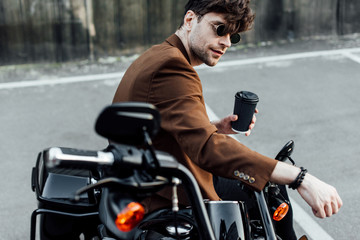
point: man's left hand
(224, 125)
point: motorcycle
(98, 194)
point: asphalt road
(311, 98)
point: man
(164, 76)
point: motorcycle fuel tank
(227, 219)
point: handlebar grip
(70, 157)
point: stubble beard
(204, 56)
(202, 53)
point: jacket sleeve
(177, 92)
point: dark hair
(238, 14)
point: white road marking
(65, 80)
(352, 56)
(347, 52)
(307, 223)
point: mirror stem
(153, 163)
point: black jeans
(229, 189)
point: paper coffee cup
(244, 108)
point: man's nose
(225, 40)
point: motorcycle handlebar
(70, 157)
(124, 155)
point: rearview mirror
(286, 151)
(126, 122)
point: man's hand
(322, 198)
(224, 125)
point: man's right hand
(322, 197)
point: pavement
(308, 92)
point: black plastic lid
(247, 96)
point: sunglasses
(220, 31)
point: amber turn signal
(281, 211)
(130, 216)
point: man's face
(204, 43)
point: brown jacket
(164, 77)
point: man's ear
(189, 18)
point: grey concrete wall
(65, 30)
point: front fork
(265, 216)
